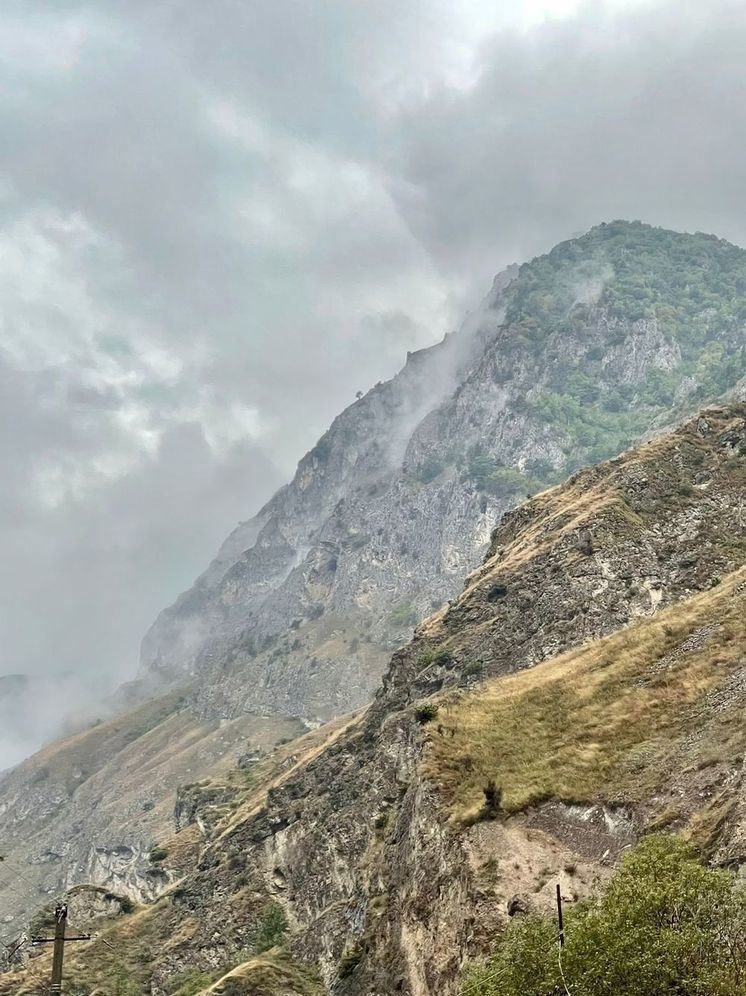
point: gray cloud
(632, 113)
(219, 221)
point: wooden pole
(60, 915)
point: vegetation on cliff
(692, 286)
(665, 924)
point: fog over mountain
(220, 221)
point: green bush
(122, 982)
(425, 713)
(694, 286)
(190, 982)
(158, 854)
(271, 929)
(492, 477)
(126, 905)
(666, 926)
(435, 655)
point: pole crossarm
(51, 940)
(59, 940)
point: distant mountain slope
(593, 669)
(89, 808)
(573, 357)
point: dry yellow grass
(126, 947)
(274, 972)
(564, 728)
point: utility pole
(59, 940)
(60, 916)
(560, 918)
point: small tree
(122, 981)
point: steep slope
(592, 668)
(91, 807)
(573, 356)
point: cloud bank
(219, 221)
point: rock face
(572, 357)
(373, 839)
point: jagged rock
(402, 492)
(585, 542)
(407, 895)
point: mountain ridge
(415, 517)
(371, 537)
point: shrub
(158, 854)
(426, 657)
(473, 668)
(122, 981)
(666, 924)
(425, 713)
(493, 796)
(442, 656)
(190, 982)
(271, 928)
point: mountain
(572, 358)
(584, 688)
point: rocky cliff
(586, 686)
(571, 358)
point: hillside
(592, 669)
(89, 808)
(572, 357)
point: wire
(34, 885)
(562, 971)
(481, 982)
(19, 945)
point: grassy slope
(609, 719)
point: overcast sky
(221, 219)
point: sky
(219, 221)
